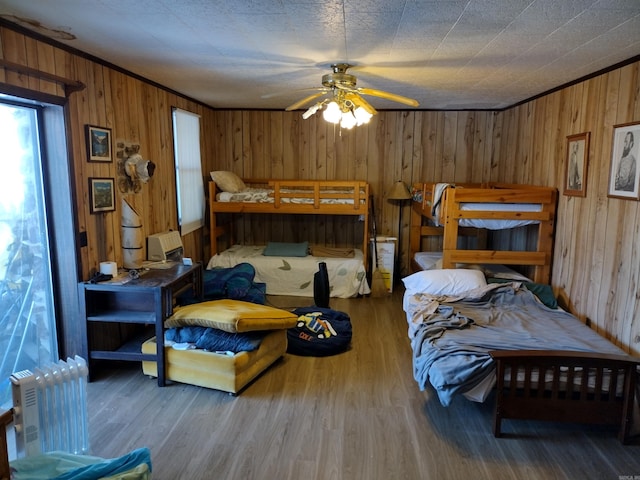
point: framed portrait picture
(623, 172)
(576, 166)
(98, 144)
(102, 196)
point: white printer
(165, 246)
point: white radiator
(50, 408)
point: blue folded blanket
(215, 340)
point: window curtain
(189, 185)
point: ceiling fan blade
(358, 101)
(288, 92)
(304, 101)
(389, 96)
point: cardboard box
(386, 258)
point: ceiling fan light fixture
(348, 120)
(362, 116)
(332, 113)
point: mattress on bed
(294, 275)
(220, 371)
(265, 195)
(487, 223)
(451, 337)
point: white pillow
(444, 282)
(228, 181)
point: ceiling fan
(344, 102)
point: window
(189, 184)
(27, 317)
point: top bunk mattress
(294, 275)
(265, 195)
(486, 223)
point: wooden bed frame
(6, 418)
(423, 223)
(565, 395)
(319, 191)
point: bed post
(542, 273)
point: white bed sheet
(487, 223)
(294, 275)
(265, 195)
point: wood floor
(358, 415)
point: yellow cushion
(232, 316)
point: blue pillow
(278, 249)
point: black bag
(320, 332)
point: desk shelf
(147, 300)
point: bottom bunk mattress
(294, 275)
(451, 335)
(222, 371)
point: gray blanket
(451, 340)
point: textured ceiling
(447, 54)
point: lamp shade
(399, 191)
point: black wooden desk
(147, 300)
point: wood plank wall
(136, 112)
(596, 265)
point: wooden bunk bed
(294, 197)
(443, 209)
(574, 375)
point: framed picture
(576, 167)
(102, 197)
(98, 144)
(623, 173)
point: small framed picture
(623, 172)
(576, 167)
(98, 144)
(102, 197)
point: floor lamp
(399, 193)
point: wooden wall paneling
(31, 57)
(591, 113)
(46, 62)
(582, 115)
(497, 132)
(63, 67)
(403, 208)
(566, 205)
(523, 164)
(547, 135)
(15, 51)
(625, 258)
(611, 214)
(257, 224)
(392, 156)
(449, 134)
(538, 156)
(627, 276)
(478, 144)
(462, 145)
(601, 147)
(507, 145)
(77, 156)
(151, 149)
(630, 331)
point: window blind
(189, 185)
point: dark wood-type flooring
(357, 415)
